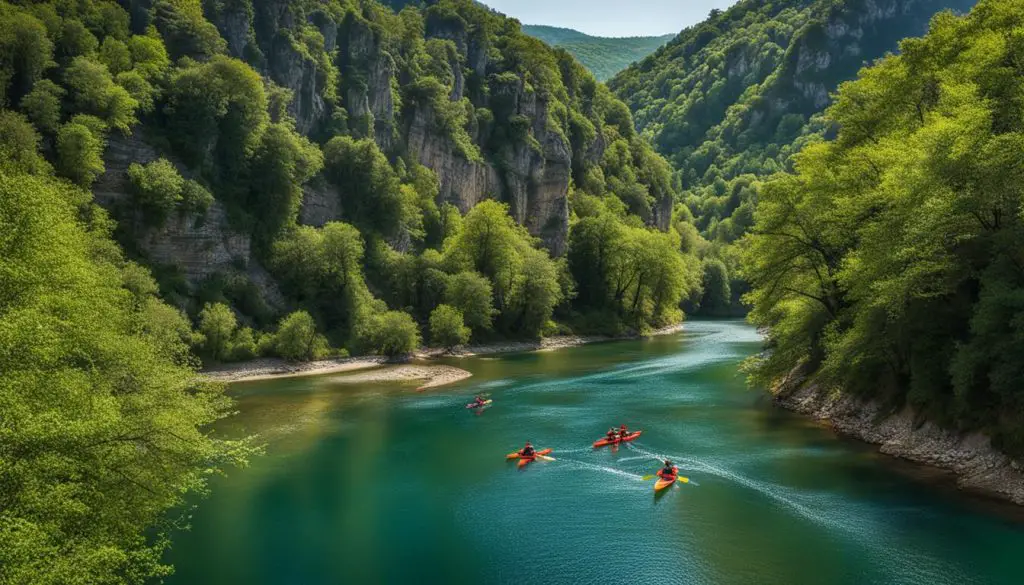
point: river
(375, 483)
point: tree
(282, 162)
(717, 296)
(79, 152)
(371, 195)
(94, 92)
(470, 293)
(393, 334)
(297, 338)
(42, 105)
(19, 145)
(105, 447)
(447, 327)
(157, 187)
(217, 324)
(25, 52)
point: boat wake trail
(760, 487)
(577, 464)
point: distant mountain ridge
(603, 56)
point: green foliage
(282, 162)
(603, 56)
(889, 261)
(392, 333)
(42, 105)
(184, 29)
(105, 431)
(370, 190)
(717, 295)
(524, 280)
(738, 94)
(447, 327)
(93, 92)
(80, 150)
(217, 325)
(322, 268)
(159, 189)
(297, 338)
(19, 146)
(470, 293)
(634, 273)
(25, 52)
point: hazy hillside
(603, 56)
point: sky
(611, 18)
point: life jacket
(528, 452)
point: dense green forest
(285, 178)
(889, 261)
(730, 100)
(603, 56)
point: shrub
(447, 327)
(298, 340)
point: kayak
(665, 481)
(524, 461)
(627, 438)
(480, 405)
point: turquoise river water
(375, 483)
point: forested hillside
(603, 56)
(731, 99)
(889, 262)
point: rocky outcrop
(463, 182)
(978, 466)
(198, 246)
(367, 72)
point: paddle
(546, 458)
(679, 479)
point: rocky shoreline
(431, 375)
(977, 465)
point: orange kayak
(627, 438)
(524, 461)
(665, 480)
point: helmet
(667, 462)
(529, 444)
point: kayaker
(623, 431)
(528, 450)
(479, 400)
(612, 436)
(669, 470)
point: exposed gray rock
(199, 246)
(979, 467)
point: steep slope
(887, 267)
(603, 56)
(738, 93)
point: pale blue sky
(611, 18)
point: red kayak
(616, 441)
(524, 461)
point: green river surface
(376, 483)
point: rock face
(199, 246)
(978, 466)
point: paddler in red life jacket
(611, 435)
(479, 400)
(668, 471)
(527, 451)
(623, 432)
